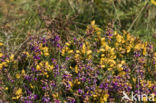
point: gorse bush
(95, 67)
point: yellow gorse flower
(17, 76)
(153, 2)
(77, 81)
(18, 92)
(1, 54)
(89, 52)
(93, 22)
(119, 67)
(104, 98)
(6, 88)
(23, 72)
(1, 66)
(70, 83)
(67, 44)
(38, 67)
(76, 69)
(45, 50)
(119, 38)
(11, 57)
(128, 49)
(83, 48)
(55, 96)
(31, 86)
(1, 44)
(70, 51)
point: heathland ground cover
(76, 51)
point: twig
(116, 13)
(137, 17)
(16, 52)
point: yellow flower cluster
(1, 55)
(67, 49)
(86, 50)
(44, 50)
(93, 28)
(4, 64)
(141, 46)
(104, 98)
(77, 55)
(44, 65)
(7, 60)
(101, 95)
(27, 54)
(123, 43)
(18, 94)
(11, 58)
(107, 54)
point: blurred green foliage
(71, 16)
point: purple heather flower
(43, 40)
(126, 70)
(57, 38)
(28, 78)
(79, 74)
(75, 38)
(57, 101)
(12, 81)
(46, 99)
(80, 91)
(53, 61)
(28, 102)
(94, 81)
(53, 84)
(137, 54)
(110, 34)
(29, 97)
(44, 87)
(150, 46)
(67, 58)
(57, 66)
(71, 100)
(37, 57)
(101, 86)
(154, 62)
(92, 88)
(58, 45)
(2, 60)
(56, 71)
(32, 48)
(29, 92)
(35, 79)
(35, 96)
(81, 44)
(33, 69)
(83, 79)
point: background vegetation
(20, 18)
